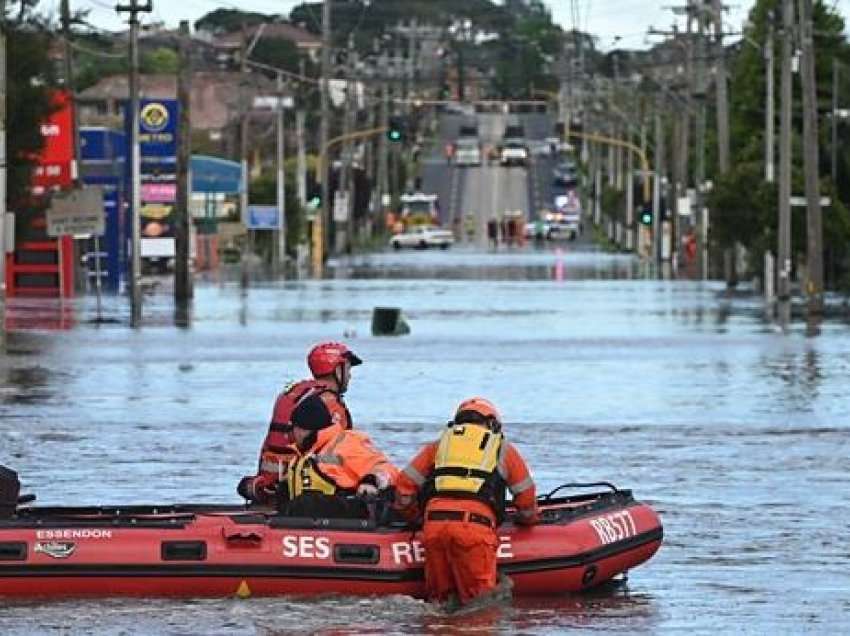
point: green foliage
(278, 52)
(28, 104)
(161, 60)
(93, 68)
(229, 20)
(743, 207)
(613, 203)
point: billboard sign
(263, 217)
(53, 167)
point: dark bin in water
(10, 488)
(388, 321)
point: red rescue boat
(214, 551)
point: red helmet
(325, 357)
(477, 406)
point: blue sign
(215, 175)
(262, 217)
(158, 120)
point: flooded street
(736, 431)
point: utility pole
(783, 252)
(2, 163)
(770, 115)
(68, 55)
(324, 135)
(344, 235)
(383, 150)
(281, 177)
(699, 146)
(302, 158)
(833, 151)
(814, 225)
(135, 160)
(182, 275)
(721, 90)
(244, 124)
(659, 177)
(302, 153)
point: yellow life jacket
(304, 476)
(466, 462)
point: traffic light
(646, 215)
(395, 131)
(314, 193)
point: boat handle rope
(590, 484)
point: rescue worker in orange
(462, 479)
(330, 363)
(332, 464)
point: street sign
(263, 217)
(341, 206)
(800, 202)
(271, 102)
(684, 206)
(76, 212)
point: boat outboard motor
(10, 489)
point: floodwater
(736, 431)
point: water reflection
(43, 314)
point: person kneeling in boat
(336, 469)
(462, 479)
(330, 363)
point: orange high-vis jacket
(346, 457)
(511, 467)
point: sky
(607, 19)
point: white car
(514, 153)
(422, 237)
(467, 153)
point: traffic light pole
(610, 141)
(318, 254)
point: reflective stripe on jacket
(510, 466)
(337, 464)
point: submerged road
(737, 433)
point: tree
(29, 82)
(230, 20)
(161, 60)
(743, 205)
(277, 52)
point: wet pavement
(737, 431)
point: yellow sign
(155, 211)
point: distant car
(565, 174)
(458, 108)
(422, 237)
(467, 152)
(514, 153)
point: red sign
(53, 168)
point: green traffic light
(646, 218)
(395, 135)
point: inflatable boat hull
(217, 551)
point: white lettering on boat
(306, 547)
(506, 548)
(76, 533)
(412, 552)
(614, 527)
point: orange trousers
(460, 556)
